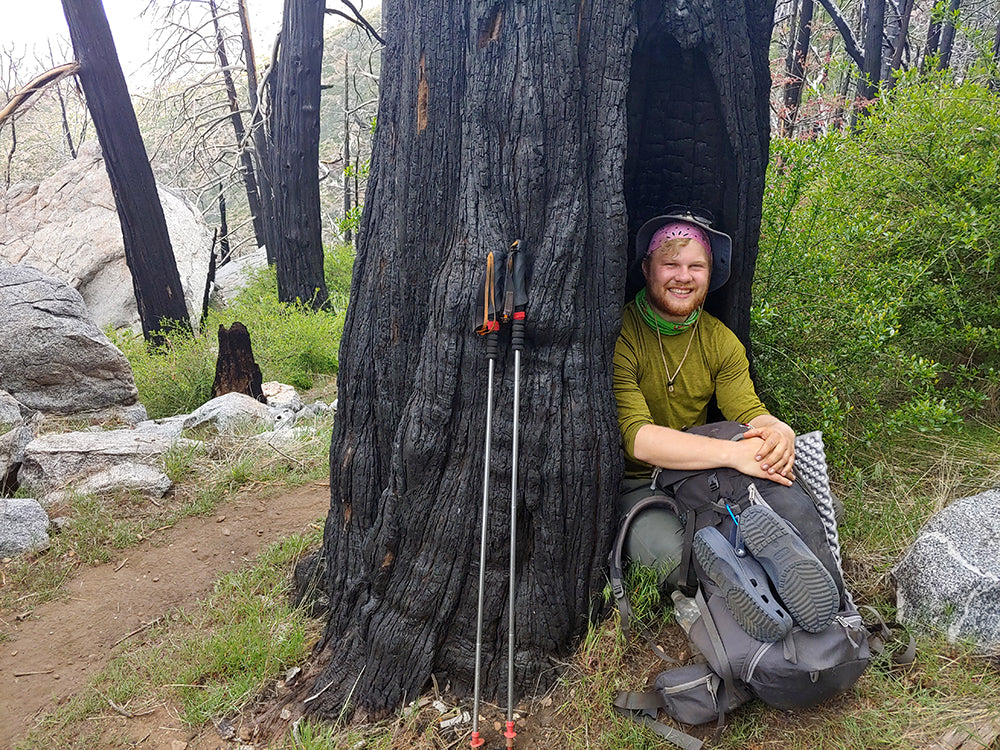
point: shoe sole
(744, 587)
(803, 584)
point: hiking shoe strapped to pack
(744, 586)
(799, 578)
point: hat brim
(722, 245)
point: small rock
(178, 745)
(226, 532)
(285, 714)
(225, 729)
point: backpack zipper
(755, 660)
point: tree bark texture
(795, 70)
(246, 161)
(901, 43)
(236, 370)
(295, 157)
(500, 121)
(948, 35)
(159, 295)
(868, 81)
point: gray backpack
(798, 671)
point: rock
(167, 427)
(949, 579)
(230, 412)
(68, 227)
(315, 409)
(282, 395)
(12, 445)
(232, 277)
(128, 476)
(23, 525)
(52, 356)
(11, 411)
(53, 462)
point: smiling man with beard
(671, 358)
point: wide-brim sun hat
(722, 244)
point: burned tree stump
(235, 369)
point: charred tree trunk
(870, 78)
(246, 161)
(236, 371)
(933, 41)
(795, 70)
(948, 35)
(295, 154)
(158, 292)
(500, 121)
(897, 52)
(258, 138)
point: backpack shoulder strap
(642, 707)
(615, 558)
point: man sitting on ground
(671, 358)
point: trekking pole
(488, 329)
(515, 302)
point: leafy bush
(877, 278)
(292, 343)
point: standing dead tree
(158, 292)
(293, 154)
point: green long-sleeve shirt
(716, 365)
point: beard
(673, 308)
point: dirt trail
(55, 652)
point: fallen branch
(122, 710)
(29, 674)
(144, 626)
(51, 76)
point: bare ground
(62, 644)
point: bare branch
(51, 76)
(358, 19)
(850, 43)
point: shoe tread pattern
(803, 584)
(756, 621)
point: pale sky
(28, 24)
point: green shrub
(877, 278)
(292, 343)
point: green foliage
(350, 221)
(877, 277)
(292, 343)
(172, 378)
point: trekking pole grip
(517, 295)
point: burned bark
(948, 35)
(795, 67)
(294, 155)
(870, 78)
(566, 126)
(235, 116)
(159, 295)
(236, 371)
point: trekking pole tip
(510, 734)
(477, 741)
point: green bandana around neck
(654, 321)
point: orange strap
(489, 300)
